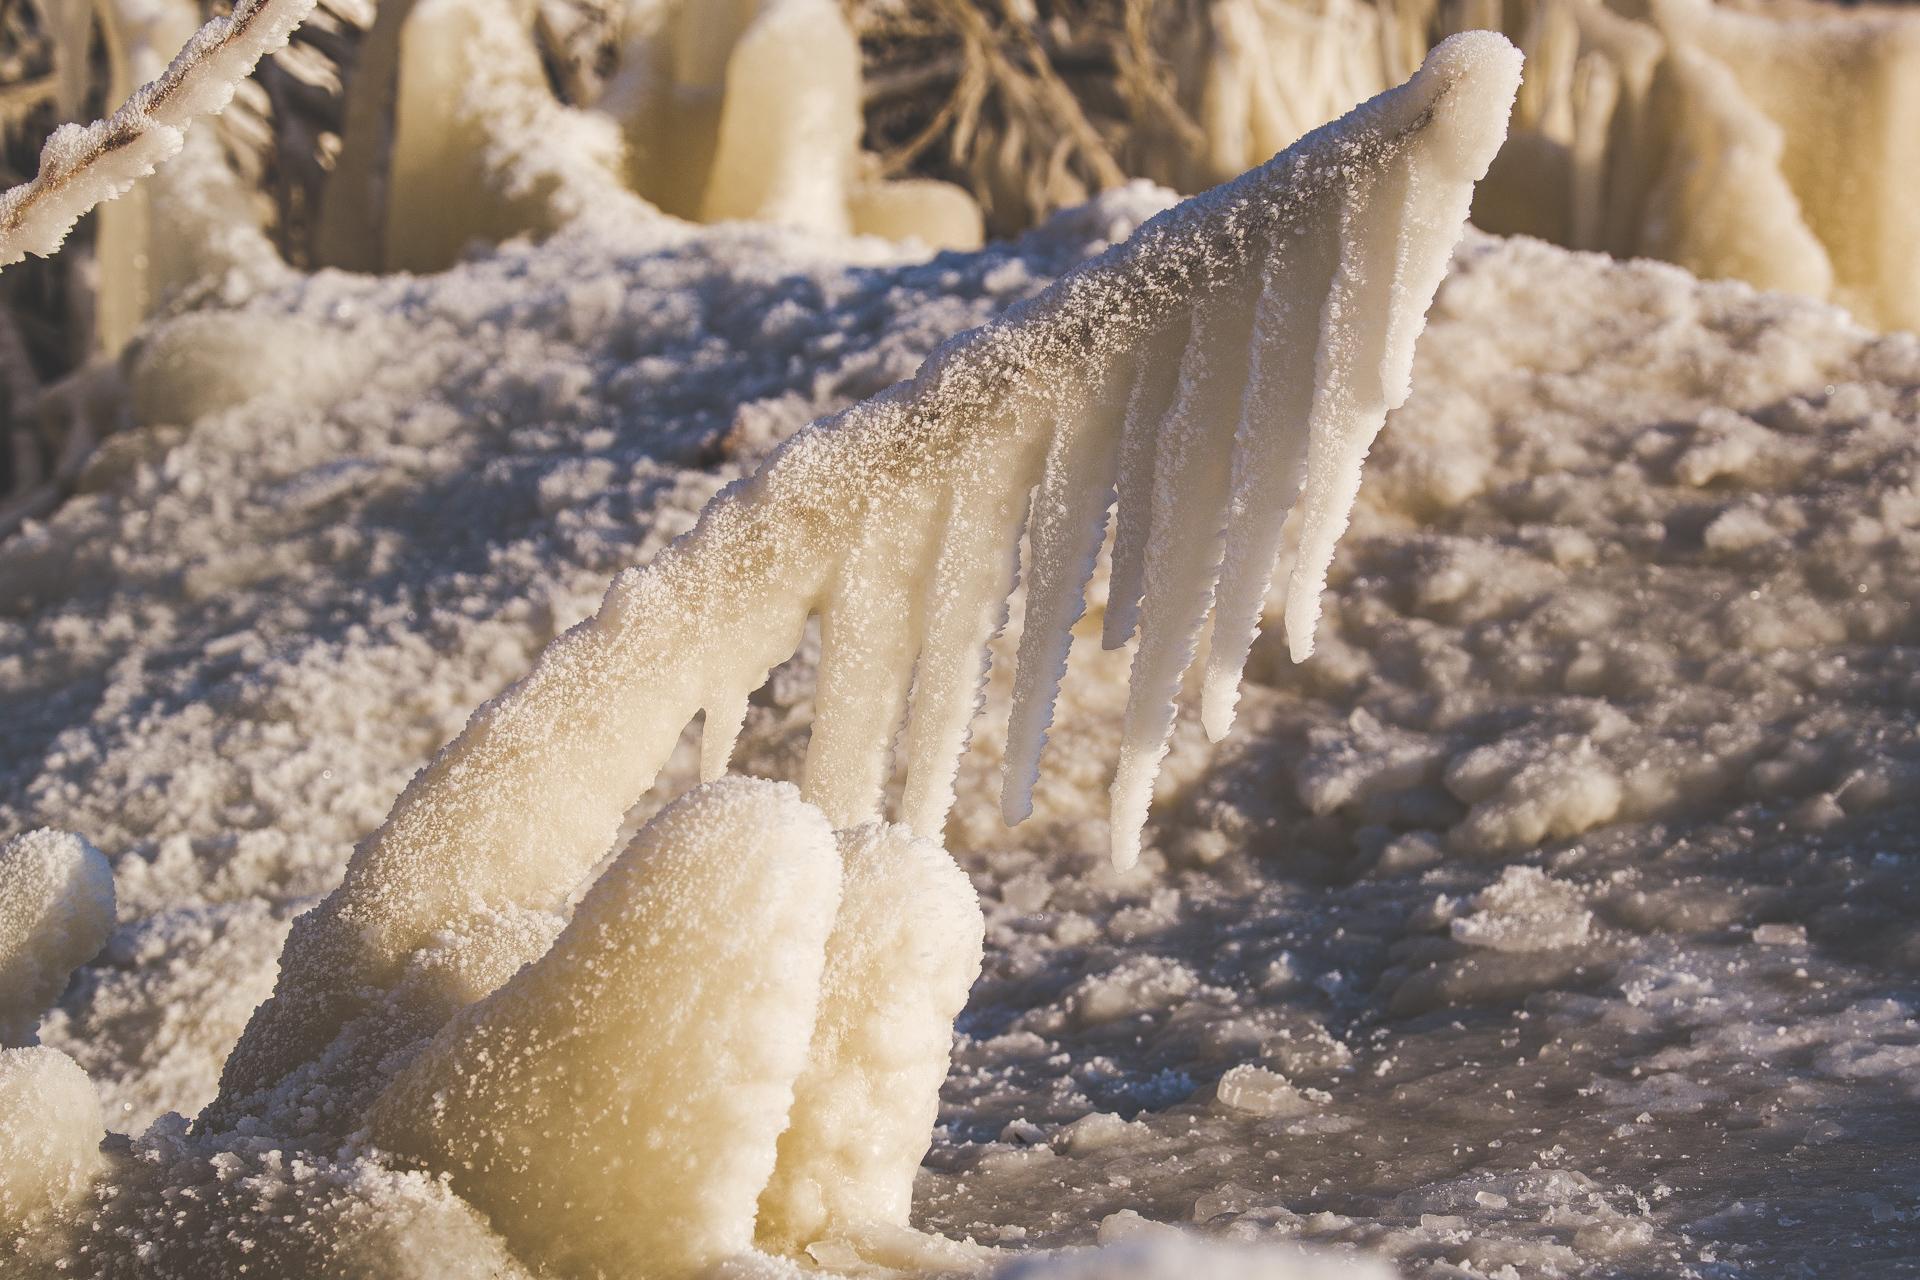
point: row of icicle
(1230, 362)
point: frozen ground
(1560, 914)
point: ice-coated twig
(85, 165)
(1238, 350)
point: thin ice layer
(529, 797)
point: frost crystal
(84, 165)
(1239, 351)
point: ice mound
(56, 909)
(614, 1108)
(50, 1131)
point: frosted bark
(614, 1108)
(83, 165)
(940, 470)
(56, 909)
(904, 953)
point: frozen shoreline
(222, 661)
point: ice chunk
(903, 954)
(56, 909)
(50, 1132)
(908, 509)
(614, 1108)
(752, 109)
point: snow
(1574, 869)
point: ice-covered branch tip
(85, 165)
(1231, 361)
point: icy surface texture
(50, 1131)
(614, 1108)
(56, 909)
(83, 165)
(897, 523)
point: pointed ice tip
(1126, 850)
(1217, 701)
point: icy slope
(1625, 602)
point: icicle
(1192, 466)
(1155, 384)
(1349, 395)
(965, 606)
(719, 731)
(1063, 536)
(1270, 449)
(867, 644)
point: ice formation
(50, 1131)
(83, 165)
(1767, 143)
(897, 521)
(742, 109)
(1599, 612)
(614, 1108)
(751, 109)
(56, 909)
(904, 952)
